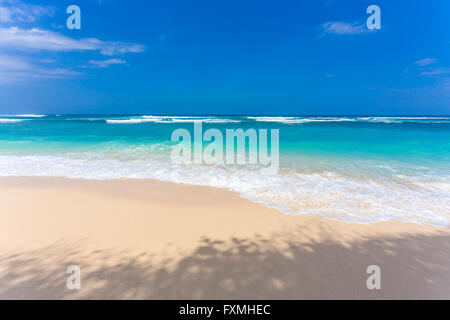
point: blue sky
(225, 57)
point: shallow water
(356, 169)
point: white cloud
(16, 11)
(8, 62)
(435, 72)
(343, 28)
(426, 62)
(38, 39)
(13, 68)
(106, 63)
(14, 37)
(431, 71)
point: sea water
(356, 169)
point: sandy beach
(145, 239)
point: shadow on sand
(412, 266)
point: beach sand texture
(145, 239)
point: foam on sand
(328, 194)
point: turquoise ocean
(356, 169)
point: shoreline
(49, 179)
(159, 240)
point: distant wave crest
(25, 115)
(171, 119)
(4, 120)
(300, 120)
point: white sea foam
(405, 119)
(327, 193)
(28, 115)
(271, 119)
(4, 120)
(297, 120)
(409, 118)
(171, 119)
(300, 120)
(127, 121)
